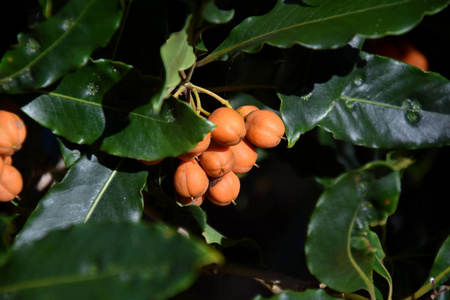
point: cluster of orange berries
(12, 136)
(209, 170)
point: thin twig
(276, 281)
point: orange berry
(414, 57)
(245, 156)
(264, 128)
(190, 180)
(11, 183)
(12, 132)
(7, 159)
(246, 109)
(217, 160)
(224, 190)
(230, 126)
(151, 162)
(191, 200)
(201, 146)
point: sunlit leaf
(368, 100)
(107, 103)
(177, 55)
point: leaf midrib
(84, 101)
(102, 191)
(52, 46)
(67, 279)
(370, 102)
(214, 55)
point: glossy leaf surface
(107, 103)
(323, 24)
(94, 190)
(59, 44)
(339, 239)
(104, 261)
(371, 105)
(378, 108)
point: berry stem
(208, 92)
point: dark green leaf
(308, 93)
(341, 253)
(69, 152)
(94, 190)
(390, 104)
(108, 103)
(59, 44)
(104, 261)
(214, 15)
(363, 99)
(323, 24)
(306, 295)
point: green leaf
(308, 94)
(105, 261)
(95, 189)
(342, 253)
(390, 104)
(59, 44)
(306, 295)
(323, 24)
(177, 55)
(107, 103)
(364, 99)
(215, 15)
(440, 271)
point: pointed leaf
(177, 55)
(108, 103)
(323, 24)
(308, 94)
(105, 261)
(390, 104)
(59, 44)
(342, 253)
(215, 15)
(94, 190)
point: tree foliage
(106, 84)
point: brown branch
(274, 281)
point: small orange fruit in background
(411, 55)
(245, 156)
(201, 146)
(264, 128)
(224, 190)
(190, 180)
(12, 132)
(11, 183)
(217, 160)
(246, 109)
(230, 126)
